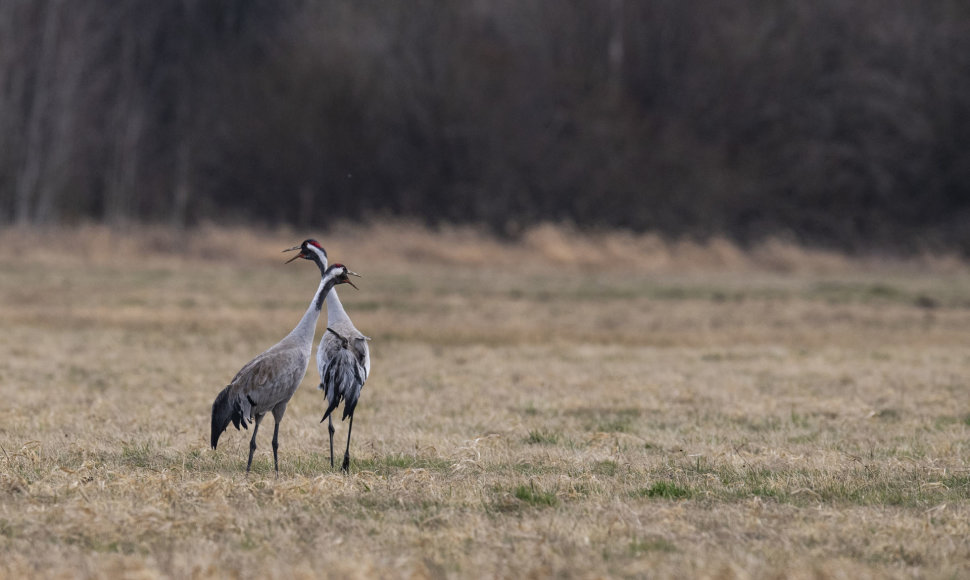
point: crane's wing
(344, 363)
(363, 353)
(330, 345)
(342, 379)
(260, 385)
(271, 378)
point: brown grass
(573, 405)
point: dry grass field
(569, 406)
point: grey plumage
(343, 359)
(344, 374)
(266, 383)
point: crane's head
(310, 249)
(340, 273)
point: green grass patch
(535, 497)
(543, 437)
(97, 543)
(137, 454)
(608, 468)
(664, 490)
(764, 492)
(530, 468)
(609, 420)
(7, 529)
(958, 486)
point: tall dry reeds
(546, 246)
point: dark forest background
(842, 123)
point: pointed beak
(300, 255)
(351, 283)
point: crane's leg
(252, 442)
(346, 465)
(276, 445)
(330, 428)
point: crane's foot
(346, 465)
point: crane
(267, 382)
(343, 360)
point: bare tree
(839, 122)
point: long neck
(335, 310)
(308, 324)
(319, 258)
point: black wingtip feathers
(223, 413)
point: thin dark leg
(350, 428)
(276, 445)
(330, 428)
(252, 446)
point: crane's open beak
(300, 255)
(351, 283)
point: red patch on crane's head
(314, 243)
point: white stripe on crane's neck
(321, 254)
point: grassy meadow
(566, 406)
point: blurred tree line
(839, 122)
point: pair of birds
(267, 382)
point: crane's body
(343, 360)
(266, 383)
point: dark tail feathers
(349, 407)
(225, 411)
(330, 409)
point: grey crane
(268, 381)
(343, 360)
